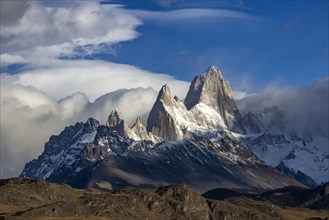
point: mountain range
(201, 141)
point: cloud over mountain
(309, 104)
(29, 117)
(45, 99)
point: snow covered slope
(203, 142)
(99, 154)
(209, 106)
(277, 141)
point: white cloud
(8, 59)
(309, 104)
(51, 93)
(132, 103)
(29, 117)
(57, 31)
(40, 102)
(188, 14)
(61, 78)
(83, 28)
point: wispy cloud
(85, 28)
(57, 31)
(188, 14)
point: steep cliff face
(212, 90)
(160, 122)
(209, 106)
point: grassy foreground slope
(36, 199)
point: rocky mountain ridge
(194, 142)
(208, 106)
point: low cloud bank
(309, 104)
(40, 102)
(29, 117)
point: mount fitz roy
(202, 141)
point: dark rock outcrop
(293, 196)
(298, 175)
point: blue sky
(254, 43)
(285, 42)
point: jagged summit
(165, 95)
(213, 71)
(116, 121)
(212, 90)
(91, 122)
(138, 121)
(160, 122)
(139, 132)
(114, 118)
(187, 142)
(209, 105)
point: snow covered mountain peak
(212, 90)
(83, 156)
(202, 138)
(209, 106)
